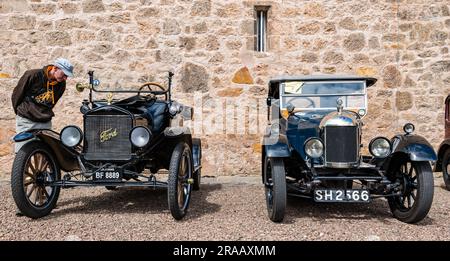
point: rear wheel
(180, 180)
(416, 187)
(446, 169)
(275, 188)
(34, 168)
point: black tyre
(446, 169)
(417, 189)
(34, 167)
(275, 188)
(180, 180)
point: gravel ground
(228, 208)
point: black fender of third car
(67, 157)
(445, 145)
(415, 147)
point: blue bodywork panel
(417, 147)
(302, 126)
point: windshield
(323, 95)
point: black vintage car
(123, 144)
(312, 149)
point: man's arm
(19, 92)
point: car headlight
(380, 147)
(71, 136)
(140, 136)
(361, 112)
(314, 148)
(409, 128)
(174, 108)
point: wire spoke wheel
(180, 180)
(415, 191)
(34, 170)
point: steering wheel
(311, 104)
(149, 86)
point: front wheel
(416, 188)
(275, 188)
(34, 169)
(446, 169)
(180, 180)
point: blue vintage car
(312, 148)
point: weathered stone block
(332, 57)
(171, 27)
(230, 92)
(93, 6)
(308, 28)
(212, 43)
(22, 22)
(229, 10)
(69, 23)
(233, 44)
(354, 42)
(242, 76)
(194, 78)
(309, 57)
(315, 10)
(441, 66)
(200, 28)
(348, 23)
(47, 9)
(7, 6)
(57, 38)
(391, 76)
(187, 42)
(201, 8)
(69, 8)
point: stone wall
(209, 45)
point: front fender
(278, 150)
(416, 147)
(67, 157)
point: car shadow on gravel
(302, 207)
(134, 200)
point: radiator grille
(341, 144)
(107, 137)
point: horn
(81, 86)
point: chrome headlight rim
(149, 133)
(409, 128)
(310, 141)
(64, 141)
(372, 143)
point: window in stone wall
(261, 28)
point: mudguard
(416, 147)
(278, 150)
(445, 145)
(66, 157)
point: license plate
(341, 195)
(108, 174)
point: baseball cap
(65, 66)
